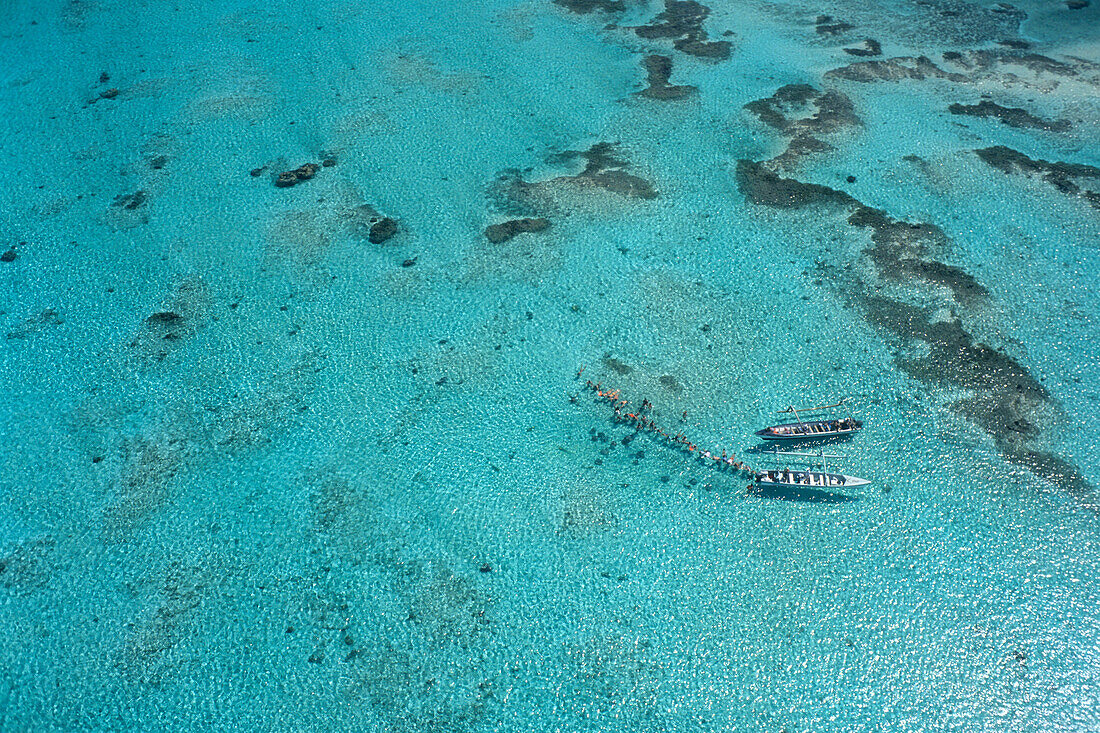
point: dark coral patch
(658, 70)
(184, 315)
(869, 47)
(763, 186)
(896, 69)
(504, 231)
(605, 170)
(772, 111)
(305, 172)
(1011, 116)
(616, 366)
(826, 25)
(382, 230)
(1034, 62)
(34, 324)
(803, 113)
(901, 251)
(584, 7)
(833, 111)
(682, 20)
(979, 64)
(130, 201)
(670, 383)
(1005, 397)
(1063, 176)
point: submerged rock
(497, 233)
(902, 253)
(184, 314)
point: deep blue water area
(294, 297)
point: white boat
(808, 478)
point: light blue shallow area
(345, 487)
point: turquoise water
(264, 473)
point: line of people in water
(641, 421)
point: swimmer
(684, 416)
(580, 372)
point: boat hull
(809, 480)
(815, 430)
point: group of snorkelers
(642, 422)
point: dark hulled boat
(811, 429)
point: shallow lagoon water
(261, 474)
